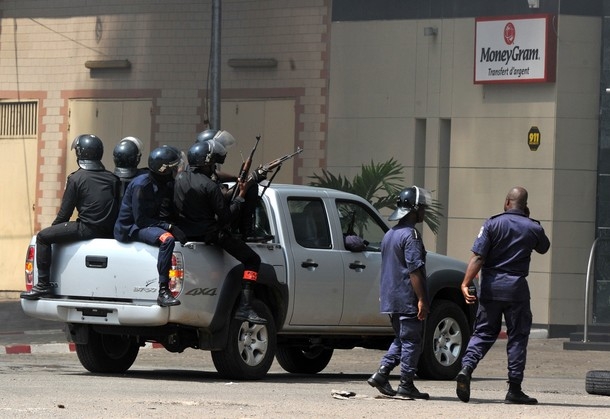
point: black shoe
(463, 384)
(408, 389)
(42, 289)
(379, 380)
(519, 397)
(244, 312)
(248, 315)
(165, 298)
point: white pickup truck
(317, 295)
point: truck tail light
(29, 268)
(176, 274)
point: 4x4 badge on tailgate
(202, 291)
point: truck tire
(110, 354)
(250, 349)
(303, 360)
(446, 336)
(598, 382)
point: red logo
(509, 33)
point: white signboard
(518, 49)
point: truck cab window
(262, 227)
(356, 220)
(309, 223)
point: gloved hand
(258, 175)
(179, 234)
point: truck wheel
(303, 360)
(445, 340)
(250, 349)
(107, 353)
(598, 382)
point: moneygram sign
(515, 49)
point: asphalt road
(52, 383)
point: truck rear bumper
(115, 314)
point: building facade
(349, 81)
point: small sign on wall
(515, 49)
(533, 138)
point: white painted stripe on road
(50, 348)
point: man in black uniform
(205, 214)
(145, 214)
(94, 192)
(243, 221)
(126, 155)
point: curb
(54, 348)
(534, 334)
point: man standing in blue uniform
(502, 252)
(403, 293)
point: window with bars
(18, 119)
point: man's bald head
(516, 198)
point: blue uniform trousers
(406, 347)
(152, 236)
(518, 318)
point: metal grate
(18, 119)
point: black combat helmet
(89, 151)
(409, 200)
(164, 160)
(127, 154)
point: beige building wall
(44, 45)
(361, 92)
(386, 76)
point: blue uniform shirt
(506, 242)
(144, 205)
(402, 252)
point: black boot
(379, 380)
(41, 289)
(463, 384)
(408, 389)
(244, 311)
(165, 298)
(516, 396)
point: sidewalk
(20, 333)
(23, 334)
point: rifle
(274, 165)
(245, 168)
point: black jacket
(95, 195)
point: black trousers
(68, 232)
(240, 251)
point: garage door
(18, 132)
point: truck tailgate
(106, 269)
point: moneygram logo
(509, 33)
(513, 53)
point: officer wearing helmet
(146, 210)
(403, 293)
(126, 155)
(221, 141)
(206, 214)
(93, 192)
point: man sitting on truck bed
(94, 192)
(141, 216)
(206, 215)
